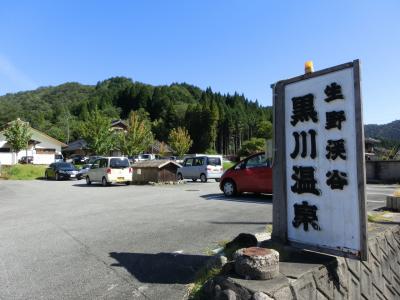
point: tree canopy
(215, 122)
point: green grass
(378, 217)
(22, 172)
(228, 164)
(196, 289)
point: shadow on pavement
(249, 198)
(241, 223)
(84, 185)
(165, 268)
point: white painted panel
(338, 211)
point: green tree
(179, 140)
(252, 146)
(18, 135)
(138, 136)
(97, 133)
(264, 129)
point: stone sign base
(310, 275)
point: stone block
(321, 296)
(354, 288)
(366, 282)
(377, 294)
(376, 273)
(261, 296)
(284, 293)
(257, 263)
(342, 273)
(396, 284)
(324, 282)
(380, 239)
(374, 249)
(304, 288)
(228, 295)
(389, 291)
(354, 267)
(385, 263)
(340, 294)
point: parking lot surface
(66, 240)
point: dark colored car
(78, 159)
(26, 160)
(85, 168)
(252, 174)
(61, 170)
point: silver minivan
(201, 167)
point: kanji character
(334, 119)
(333, 91)
(336, 179)
(303, 109)
(304, 181)
(336, 149)
(305, 214)
(303, 135)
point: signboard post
(319, 173)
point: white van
(201, 167)
(109, 170)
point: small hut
(154, 171)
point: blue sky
(241, 46)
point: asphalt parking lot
(66, 240)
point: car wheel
(229, 188)
(179, 176)
(88, 182)
(203, 178)
(217, 179)
(104, 182)
(128, 183)
(57, 177)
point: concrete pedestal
(257, 263)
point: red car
(253, 174)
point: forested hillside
(215, 122)
(390, 131)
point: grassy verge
(196, 288)
(378, 217)
(22, 172)
(228, 164)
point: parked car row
(252, 174)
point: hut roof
(155, 163)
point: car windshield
(65, 166)
(119, 163)
(91, 160)
(214, 161)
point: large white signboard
(323, 162)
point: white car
(108, 170)
(201, 167)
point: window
(257, 161)
(103, 163)
(189, 162)
(199, 161)
(213, 161)
(118, 163)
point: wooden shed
(154, 171)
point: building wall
(385, 171)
